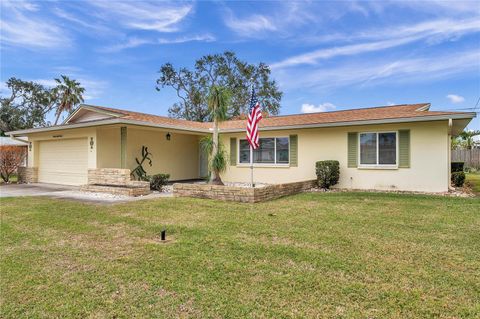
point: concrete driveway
(68, 192)
(16, 190)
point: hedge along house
(402, 147)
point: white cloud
(313, 57)
(379, 71)
(21, 28)
(310, 108)
(455, 98)
(200, 38)
(20, 5)
(430, 31)
(136, 42)
(129, 44)
(82, 24)
(249, 26)
(49, 83)
(3, 88)
(153, 16)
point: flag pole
(251, 147)
(251, 164)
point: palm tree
(218, 101)
(467, 137)
(69, 94)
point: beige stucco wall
(177, 157)
(429, 151)
(108, 147)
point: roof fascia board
(269, 128)
(90, 108)
(356, 123)
(103, 122)
(425, 107)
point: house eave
(427, 118)
(90, 108)
(102, 123)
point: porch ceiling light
(168, 136)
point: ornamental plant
(11, 157)
(328, 173)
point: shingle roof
(155, 119)
(382, 114)
(295, 120)
(353, 115)
(7, 141)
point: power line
(476, 105)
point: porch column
(123, 147)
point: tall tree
(218, 101)
(25, 106)
(467, 138)
(69, 94)
(218, 70)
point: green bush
(457, 166)
(328, 173)
(158, 181)
(458, 178)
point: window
(272, 150)
(378, 148)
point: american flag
(254, 116)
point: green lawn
(473, 179)
(342, 255)
(13, 179)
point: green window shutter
(352, 149)
(233, 151)
(294, 150)
(404, 148)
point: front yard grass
(473, 181)
(343, 255)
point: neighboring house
(17, 142)
(401, 147)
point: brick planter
(117, 190)
(241, 194)
(115, 181)
(27, 174)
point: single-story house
(400, 147)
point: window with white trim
(271, 150)
(378, 148)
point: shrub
(457, 166)
(458, 178)
(11, 157)
(158, 181)
(328, 173)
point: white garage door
(63, 161)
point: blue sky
(324, 55)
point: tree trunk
(56, 120)
(213, 176)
